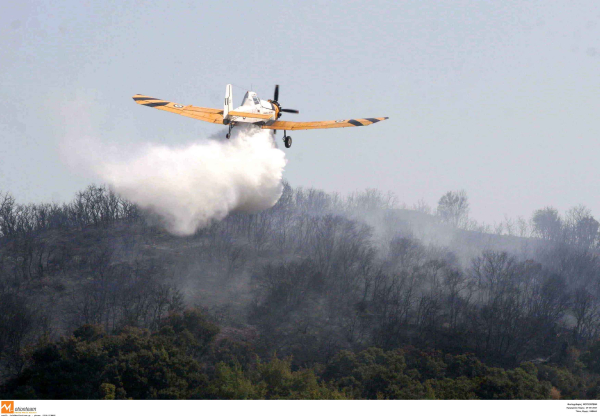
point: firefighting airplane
(261, 113)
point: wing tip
(141, 97)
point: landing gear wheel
(228, 136)
(287, 141)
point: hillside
(307, 280)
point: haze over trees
(318, 297)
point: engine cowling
(277, 107)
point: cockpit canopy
(250, 98)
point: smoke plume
(192, 185)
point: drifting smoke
(193, 185)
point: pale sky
(499, 98)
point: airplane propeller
(276, 100)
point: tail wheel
(288, 141)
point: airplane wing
(201, 113)
(250, 115)
(331, 124)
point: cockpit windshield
(256, 101)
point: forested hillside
(318, 297)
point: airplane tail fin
(228, 101)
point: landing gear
(287, 140)
(228, 135)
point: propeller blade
(289, 111)
(276, 93)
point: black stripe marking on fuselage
(157, 104)
(373, 120)
(355, 122)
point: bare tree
(586, 310)
(453, 208)
(422, 207)
(7, 215)
(523, 227)
(581, 227)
